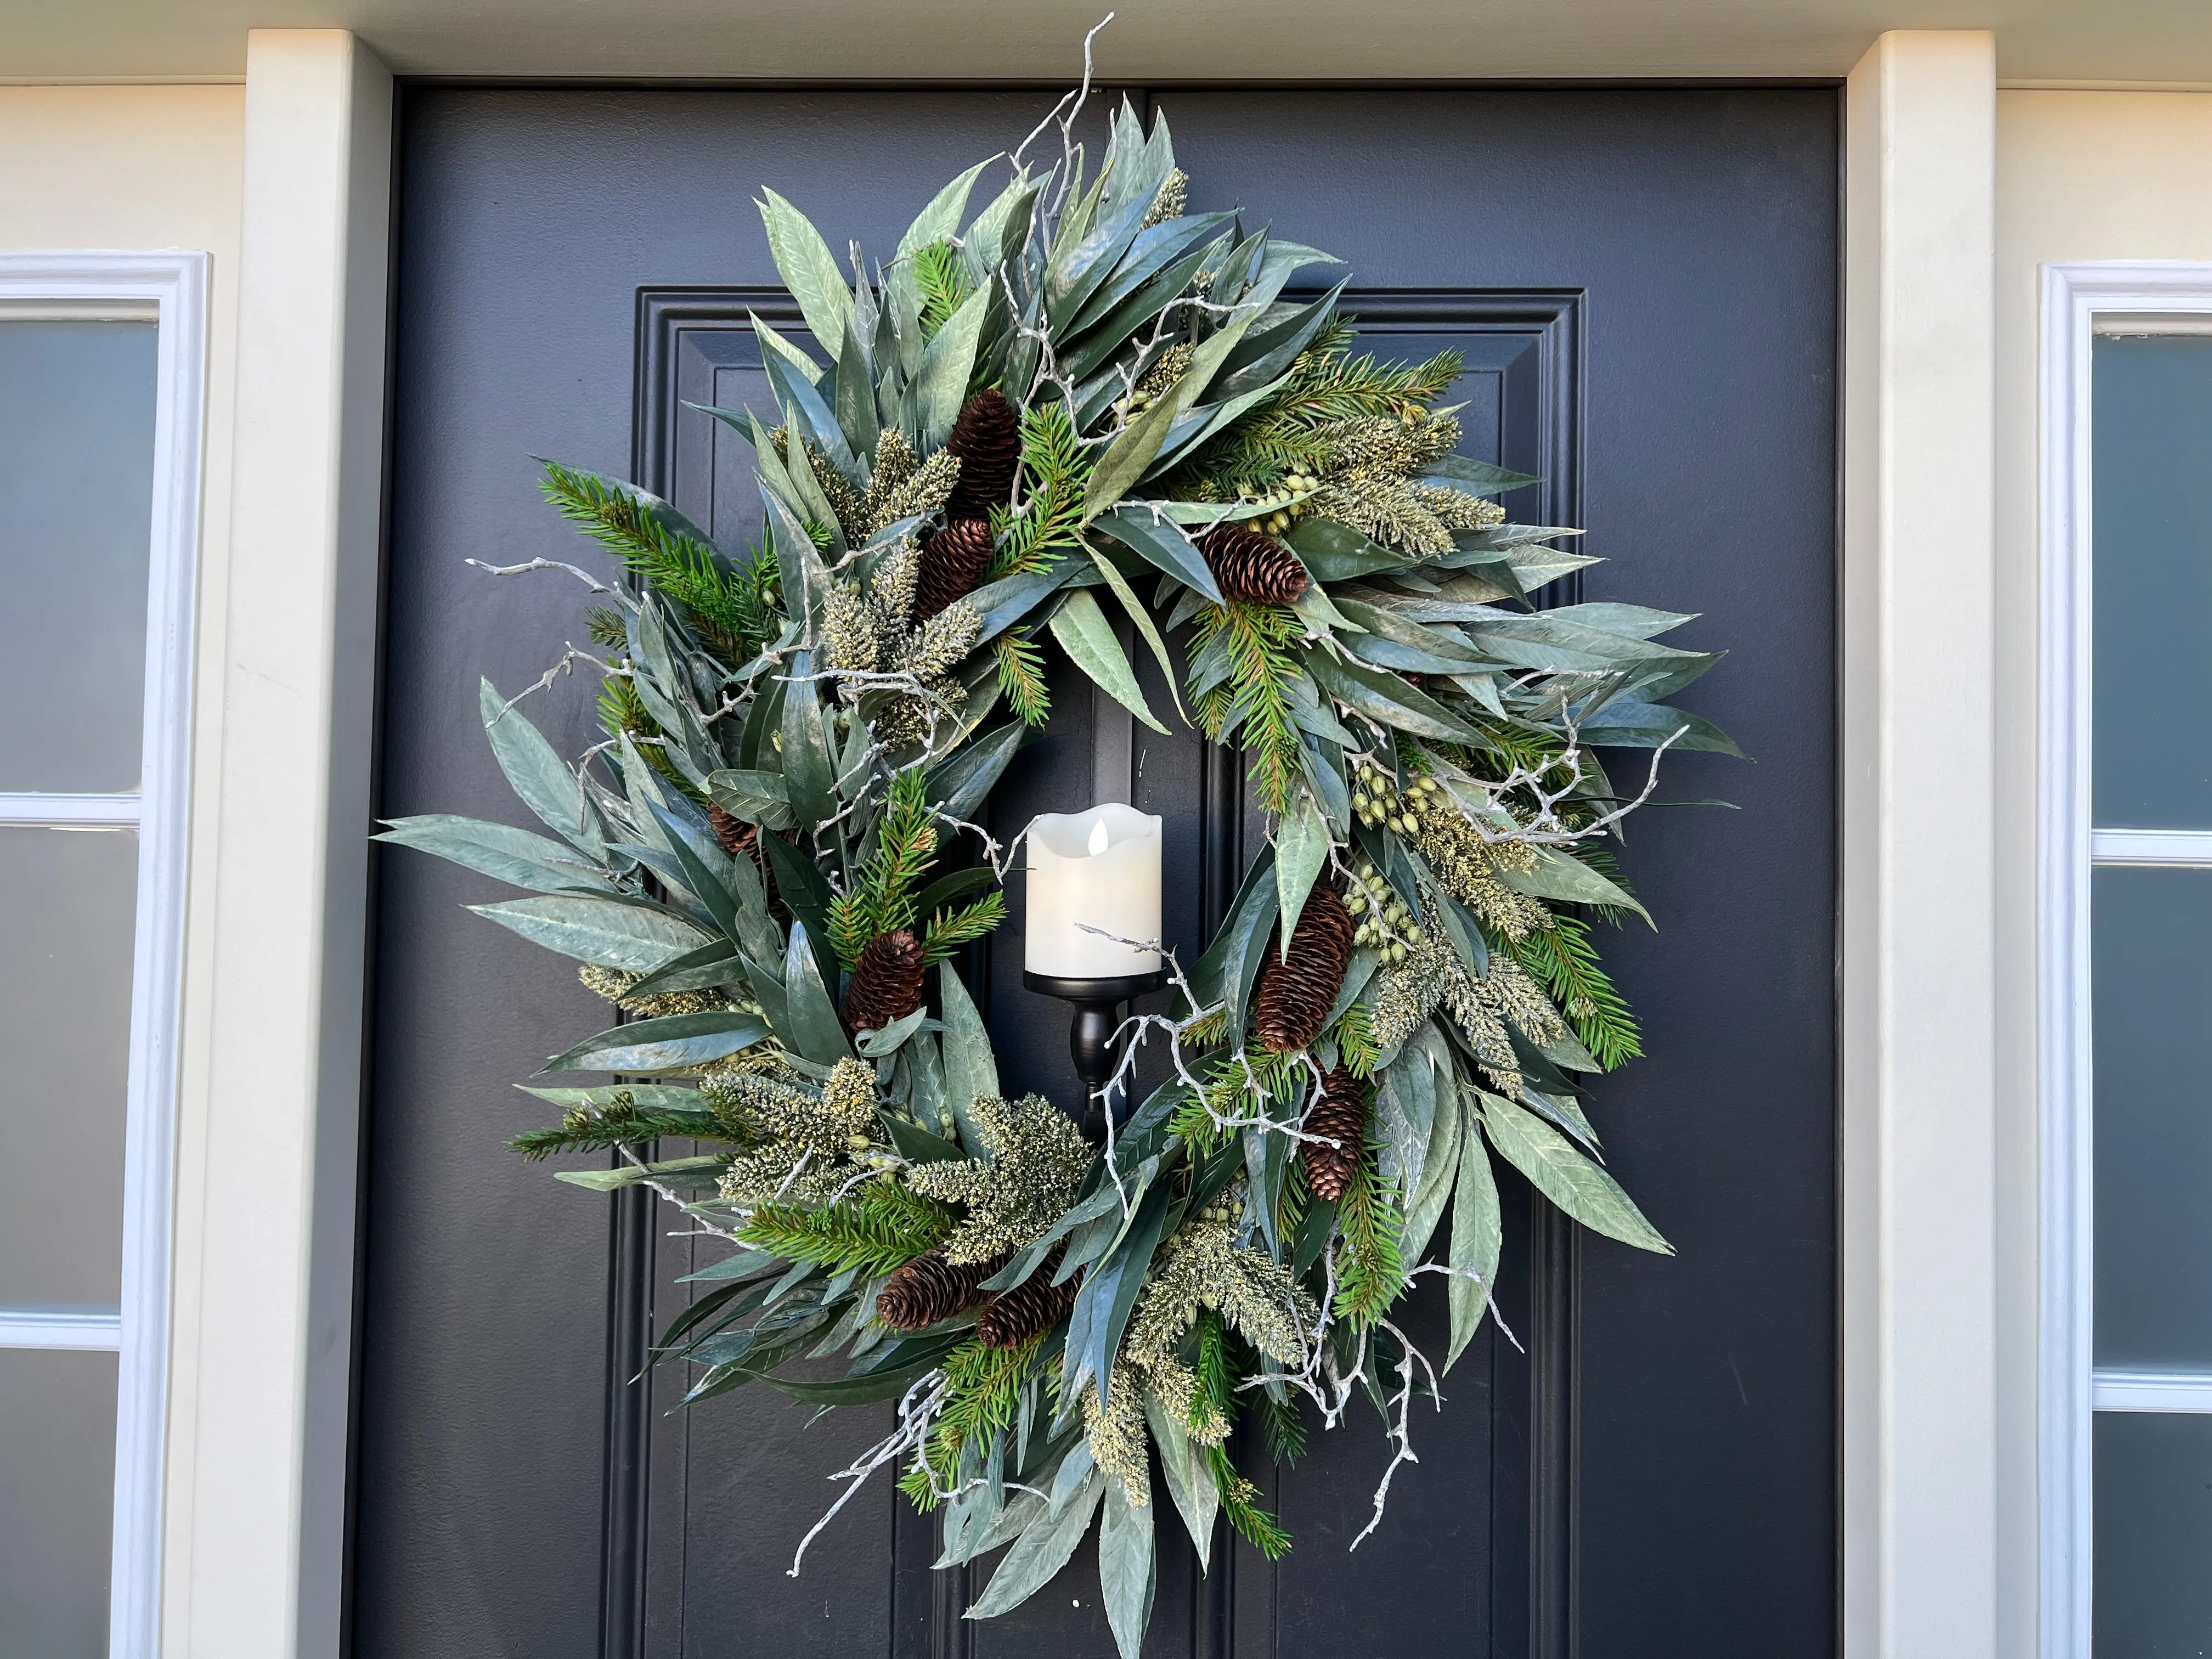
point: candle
(1100, 869)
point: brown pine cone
(1252, 567)
(1339, 1112)
(986, 436)
(953, 560)
(886, 982)
(930, 1288)
(739, 838)
(1294, 996)
(1031, 1309)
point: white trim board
(172, 289)
(2114, 1390)
(2079, 302)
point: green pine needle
(1255, 701)
(1056, 473)
(590, 1133)
(881, 1230)
(984, 1392)
(1369, 1270)
(1563, 960)
(951, 930)
(1285, 1428)
(942, 276)
(1021, 677)
(881, 897)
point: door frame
(257, 1460)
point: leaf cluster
(1286, 431)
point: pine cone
(930, 1288)
(1031, 1309)
(1252, 567)
(1341, 1114)
(739, 838)
(1294, 996)
(953, 560)
(886, 982)
(986, 436)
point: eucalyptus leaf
(637, 937)
(958, 785)
(671, 1043)
(518, 857)
(1560, 875)
(1041, 1552)
(1563, 1175)
(1302, 844)
(677, 1172)
(969, 1069)
(752, 797)
(1477, 1236)
(1084, 633)
(1439, 1171)
(1162, 545)
(1127, 1570)
(540, 778)
(1189, 1478)
(1383, 696)
(814, 1029)
(809, 270)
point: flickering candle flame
(1097, 869)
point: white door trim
(170, 290)
(2080, 300)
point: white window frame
(169, 289)
(2080, 302)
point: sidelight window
(2127, 1408)
(99, 491)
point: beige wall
(139, 168)
(2081, 176)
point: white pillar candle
(1100, 869)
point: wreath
(1026, 418)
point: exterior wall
(138, 168)
(2081, 176)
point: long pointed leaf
(1084, 633)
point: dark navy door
(1642, 285)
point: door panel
(1643, 286)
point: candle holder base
(1091, 1037)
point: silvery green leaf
(999, 230)
(1126, 1568)
(772, 341)
(517, 856)
(1439, 1169)
(1476, 1236)
(1383, 696)
(1566, 1051)
(713, 964)
(1637, 621)
(1479, 477)
(1563, 1113)
(669, 1044)
(1189, 1478)
(855, 406)
(1406, 1106)
(1162, 545)
(1364, 961)
(1225, 972)
(1541, 641)
(1143, 619)
(1321, 614)
(1416, 640)
(875, 1045)
(540, 778)
(799, 468)
(940, 220)
(958, 786)
(1015, 1517)
(969, 1068)
(1265, 353)
(1335, 552)
(1632, 724)
(809, 270)
(1109, 1290)
(638, 937)
(814, 1029)
(1561, 876)
(1302, 844)
(1084, 633)
(676, 1172)
(650, 1096)
(755, 797)
(1129, 454)
(947, 362)
(1040, 1552)
(807, 772)
(1563, 1175)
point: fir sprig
(942, 276)
(881, 897)
(952, 930)
(598, 1132)
(1370, 1273)
(983, 1391)
(1215, 1400)
(1255, 699)
(1021, 677)
(881, 1230)
(1056, 472)
(1286, 433)
(1563, 960)
(1285, 1428)
(731, 609)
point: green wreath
(1026, 417)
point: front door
(1642, 285)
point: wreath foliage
(1079, 401)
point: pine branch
(1355, 1039)
(1056, 471)
(1285, 1428)
(942, 276)
(1284, 433)
(1369, 1270)
(949, 930)
(585, 1132)
(1215, 1400)
(875, 1233)
(1563, 960)
(1255, 699)
(1021, 677)
(984, 1391)
(729, 608)
(881, 897)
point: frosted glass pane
(2152, 943)
(77, 503)
(57, 1501)
(2154, 1531)
(67, 899)
(2152, 488)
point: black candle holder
(1091, 1043)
